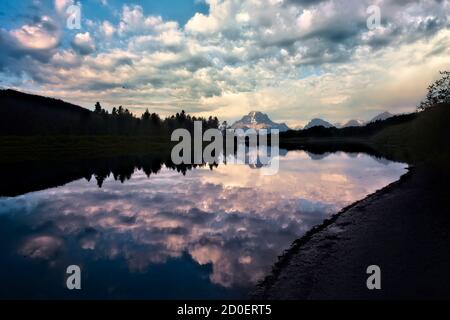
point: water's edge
(264, 286)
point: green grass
(13, 148)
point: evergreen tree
(98, 108)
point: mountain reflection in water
(207, 233)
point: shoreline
(391, 228)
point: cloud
(41, 36)
(62, 5)
(108, 29)
(289, 58)
(222, 15)
(42, 247)
(83, 43)
(305, 2)
(133, 20)
(29, 46)
(202, 24)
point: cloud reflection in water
(231, 218)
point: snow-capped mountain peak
(258, 120)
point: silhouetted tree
(156, 120)
(98, 108)
(438, 92)
(146, 115)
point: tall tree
(146, 115)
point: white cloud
(292, 60)
(83, 43)
(133, 20)
(202, 24)
(38, 37)
(108, 29)
(62, 5)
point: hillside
(25, 114)
(423, 138)
(381, 117)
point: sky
(293, 59)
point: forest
(23, 114)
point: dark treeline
(23, 114)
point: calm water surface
(209, 234)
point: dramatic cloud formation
(295, 59)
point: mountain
(318, 123)
(353, 123)
(382, 116)
(258, 120)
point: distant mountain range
(318, 123)
(258, 120)
(351, 123)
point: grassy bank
(422, 140)
(40, 148)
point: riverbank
(404, 229)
